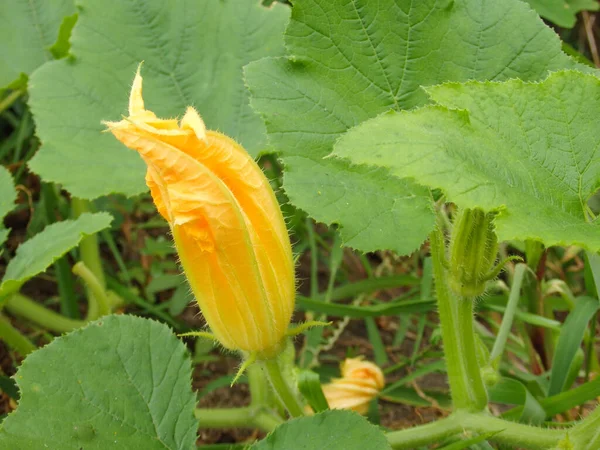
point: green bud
(490, 376)
(473, 251)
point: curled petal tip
(361, 382)
(225, 220)
(192, 120)
(136, 102)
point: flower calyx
(473, 252)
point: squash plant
(460, 123)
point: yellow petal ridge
(361, 382)
(225, 220)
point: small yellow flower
(360, 383)
(227, 226)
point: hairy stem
(422, 435)
(281, 387)
(259, 390)
(456, 319)
(510, 433)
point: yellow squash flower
(360, 383)
(227, 225)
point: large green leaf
(29, 29)
(354, 59)
(39, 252)
(122, 383)
(8, 196)
(563, 12)
(513, 392)
(333, 430)
(193, 53)
(532, 149)
(569, 342)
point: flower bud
(473, 251)
(360, 383)
(227, 225)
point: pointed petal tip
(136, 101)
(193, 121)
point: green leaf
(333, 430)
(309, 385)
(61, 47)
(562, 402)
(529, 149)
(526, 317)
(8, 195)
(193, 53)
(433, 367)
(408, 396)
(569, 341)
(382, 309)
(28, 30)
(39, 252)
(351, 61)
(122, 382)
(513, 392)
(592, 273)
(562, 12)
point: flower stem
(248, 417)
(456, 319)
(25, 307)
(285, 393)
(14, 338)
(259, 391)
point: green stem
(20, 305)
(510, 433)
(282, 388)
(68, 299)
(7, 101)
(66, 289)
(89, 248)
(249, 417)
(259, 391)
(422, 435)
(509, 314)
(586, 435)
(456, 319)
(14, 338)
(129, 296)
(99, 304)
(368, 286)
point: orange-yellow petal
(226, 222)
(360, 383)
